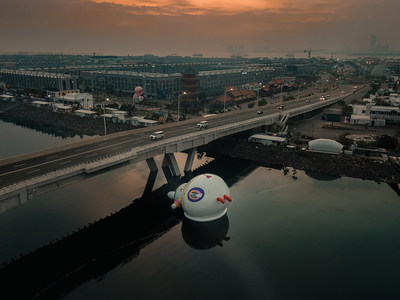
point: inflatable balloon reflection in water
(138, 96)
(205, 235)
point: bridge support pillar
(189, 160)
(170, 162)
(150, 183)
(152, 176)
(152, 164)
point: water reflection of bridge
(114, 240)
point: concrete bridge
(23, 177)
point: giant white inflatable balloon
(204, 198)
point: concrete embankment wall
(332, 164)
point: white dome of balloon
(204, 198)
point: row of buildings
(371, 114)
(155, 85)
(115, 115)
(194, 81)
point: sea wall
(59, 124)
(331, 164)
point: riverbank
(329, 164)
(59, 124)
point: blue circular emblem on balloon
(195, 194)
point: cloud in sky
(214, 28)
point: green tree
(347, 110)
(387, 142)
(262, 102)
(341, 103)
(344, 140)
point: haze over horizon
(215, 29)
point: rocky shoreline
(59, 124)
(330, 164)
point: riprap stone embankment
(331, 164)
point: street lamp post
(225, 100)
(179, 104)
(104, 117)
(258, 97)
(104, 120)
(258, 94)
(298, 92)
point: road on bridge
(21, 168)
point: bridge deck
(25, 175)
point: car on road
(280, 106)
(259, 112)
(307, 101)
(202, 124)
(157, 135)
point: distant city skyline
(214, 29)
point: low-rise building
(39, 103)
(141, 121)
(39, 80)
(120, 116)
(377, 115)
(61, 108)
(85, 100)
(268, 139)
(6, 97)
(360, 120)
(84, 113)
(54, 95)
(394, 99)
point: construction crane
(309, 51)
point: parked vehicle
(259, 112)
(280, 106)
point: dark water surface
(284, 236)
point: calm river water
(287, 237)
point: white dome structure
(325, 146)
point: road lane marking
(79, 150)
(94, 154)
(51, 157)
(33, 171)
(20, 165)
(62, 158)
(65, 162)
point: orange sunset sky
(213, 28)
